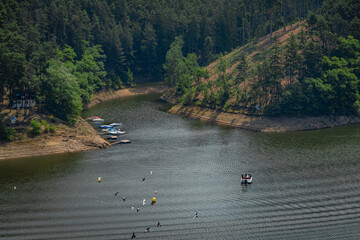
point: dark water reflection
(306, 184)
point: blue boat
(115, 132)
(106, 126)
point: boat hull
(246, 180)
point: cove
(305, 184)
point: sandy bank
(81, 137)
(263, 123)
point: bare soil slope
(263, 123)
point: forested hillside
(312, 68)
(59, 52)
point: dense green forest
(314, 72)
(62, 52)
(59, 52)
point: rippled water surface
(306, 184)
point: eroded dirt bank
(263, 123)
(81, 137)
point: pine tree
(174, 60)
(148, 47)
(292, 58)
(242, 68)
(276, 71)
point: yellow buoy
(154, 200)
(99, 179)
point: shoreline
(82, 137)
(263, 123)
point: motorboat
(116, 124)
(125, 141)
(105, 126)
(112, 137)
(95, 119)
(92, 117)
(246, 178)
(115, 132)
(108, 129)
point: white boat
(112, 137)
(92, 117)
(105, 126)
(108, 129)
(115, 132)
(116, 124)
(97, 120)
(246, 178)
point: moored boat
(108, 129)
(246, 178)
(115, 132)
(112, 137)
(116, 124)
(92, 117)
(105, 126)
(125, 141)
(95, 119)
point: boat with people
(246, 178)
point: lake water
(306, 185)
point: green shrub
(227, 106)
(53, 129)
(9, 134)
(36, 127)
(46, 125)
(6, 134)
(2, 129)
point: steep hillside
(228, 114)
(306, 77)
(223, 75)
(256, 52)
(311, 69)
